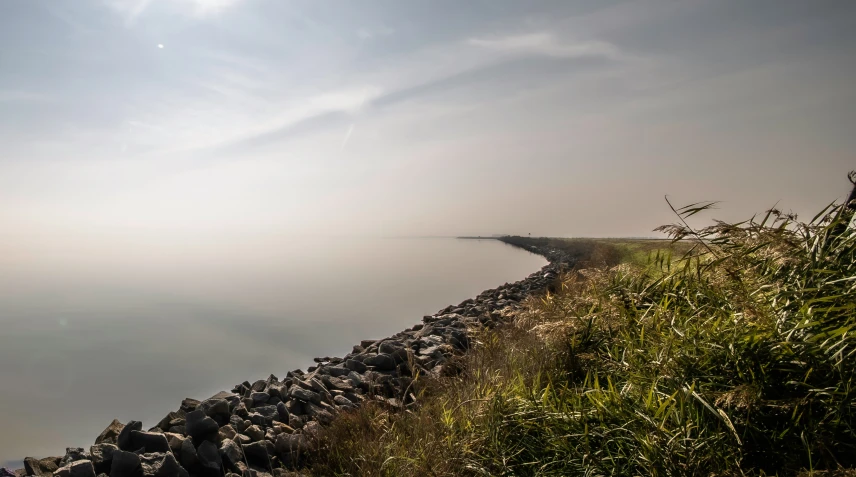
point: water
(90, 332)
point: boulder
(41, 467)
(126, 464)
(355, 365)
(209, 458)
(79, 468)
(282, 412)
(292, 444)
(110, 434)
(161, 464)
(167, 421)
(124, 438)
(255, 433)
(149, 441)
(188, 455)
(257, 454)
(102, 456)
(304, 395)
(259, 397)
(188, 404)
(381, 362)
(201, 427)
(230, 452)
(73, 454)
(268, 412)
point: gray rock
(73, 454)
(124, 438)
(258, 386)
(149, 441)
(237, 422)
(344, 402)
(102, 456)
(257, 454)
(110, 434)
(4, 472)
(230, 452)
(79, 468)
(355, 365)
(188, 404)
(41, 467)
(126, 464)
(201, 427)
(268, 412)
(381, 362)
(258, 419)
(161, 464)
(255, 433)
(209, 457)
(188, 454)
(167, 421)
(304, 394)
(292, 444)
(259, 397)
(282, 412)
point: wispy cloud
(366, 33)
(546, 44)
(9, 96)
(131, 9)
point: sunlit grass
(731, 353)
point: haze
(166, 120)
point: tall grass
(734, 357)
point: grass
(728, 352)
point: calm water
(91, 333)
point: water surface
(89, 333)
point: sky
(565, 118)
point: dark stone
(258, 386)
(126, 464)
(268, 412)
(304, 395)
(4, 472)
(188, 455)
(257, 419)
(259, 397)
(102, 456)
(209, 458)
(41, 467)
(257, 454)
(110, 434)
(201, 427)
(292, 444)
(149, 441)
(189, 404)
(255, 433)
(282, 412)
(355, 365)
(78, 468)
(73, 454)
(168, 420)
(343, 401)
(124, 439)
(382, 362)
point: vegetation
(729, 352)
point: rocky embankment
(265, 427)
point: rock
(167, 421)
(255, 433)
(110, 434)
(355, 365)
(282, 412)
(258, 386)
(230, 452)
(73, 454)
(227, 432)
(124, 438)
(344, 402)
(189, 404)
(381, 362)
(79, 468)
(188, 455)
(126, 464)
(4, 472)
(102, 456)
(149, 441)
(41, 467)
(259, 397)
(161, 464)
(268, 412)
(201, 427)
(257, 454)
(209, 458)
(304, 394)
(175, 441)
(292, 444)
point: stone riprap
(262, 428)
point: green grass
(728, 353)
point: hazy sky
(418, 117)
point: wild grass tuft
(730, 353)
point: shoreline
(266, 425)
